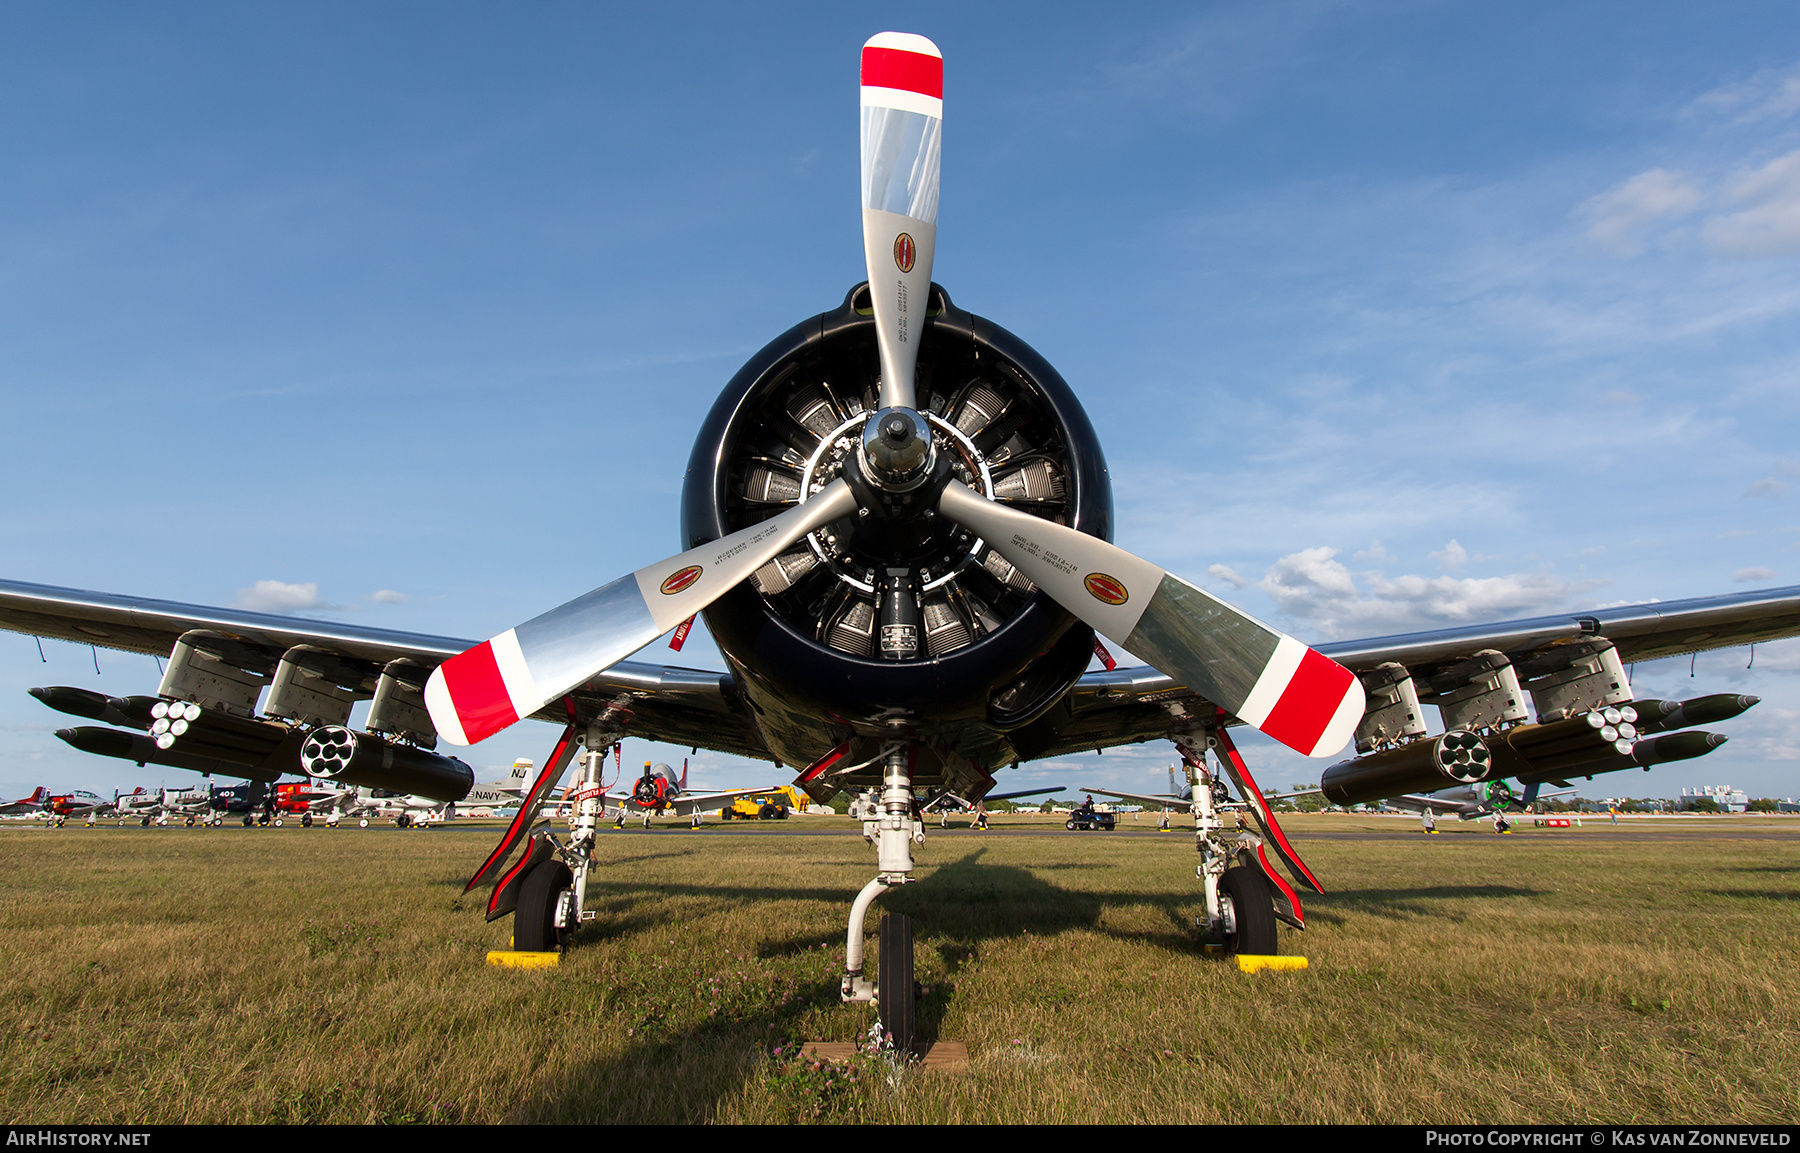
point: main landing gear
(893, 828)
(1245, 896)
(547, 890)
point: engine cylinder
(368, 761)
(1457, 757)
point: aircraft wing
(681, 706)
(1173, 804)
(685, 806)
(1130, 705)
(1420, 802)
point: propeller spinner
(1267, 679)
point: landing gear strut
(1244, 894)
(893, 829)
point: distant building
(1729, 799)
(1787, 805)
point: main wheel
(306, 820)
(534, 929)
(895, 992)
(1253, 909)
(1069, 824)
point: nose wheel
(896, 993)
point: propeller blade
(902, 119)
(1267, 679)
(475, 694)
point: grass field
(1644, 973)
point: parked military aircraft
(26, 806)
(896, 519)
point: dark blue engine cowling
(1023, 651)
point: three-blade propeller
(1265, 678)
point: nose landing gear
(894, 830)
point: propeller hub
(897, 450)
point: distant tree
(1047, 807)
(1703, 805)
(1764, 805)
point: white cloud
(1227, 574)
(1615, 216)
(1312, 586)
(1768, 486)
(1452, 558)
(268, 596)
(1773, 92)
(1770, 225)
(1375, 551)
(389, 597)
(1753, 574)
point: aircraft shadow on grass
(956, 909)
(1404, 904)
(1760, 894)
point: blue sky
(1388, 315)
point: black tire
(534, 930)
(306, 820)
(1069, 825)
(895, 991)
(1253, 908)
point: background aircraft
(26, 806)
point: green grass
(232, 975)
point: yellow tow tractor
(773, 805)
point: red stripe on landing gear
(479, 695)
(504, 898)
(528, 805)
(896, 68)
(825, 762)
(1287, 890)
(1259, 808)
(1309, 701)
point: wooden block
(942, 1056)
(508, 959)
